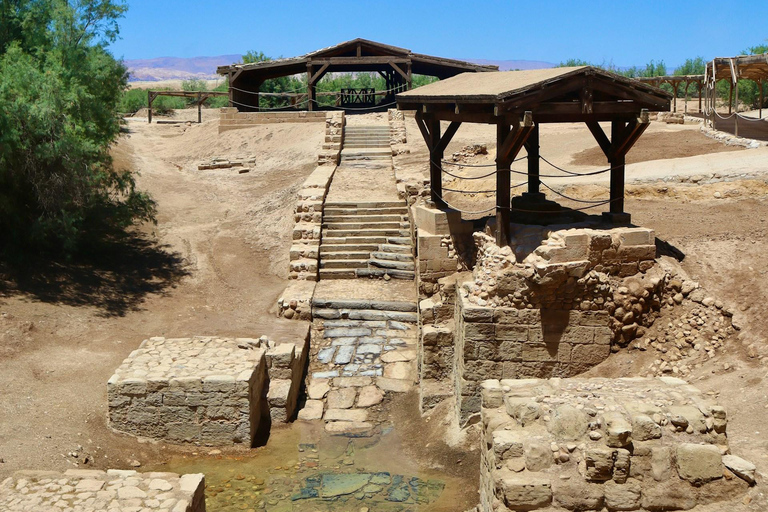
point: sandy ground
(217, 261)
(215, 264)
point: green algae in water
(331, 474)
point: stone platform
(97, 491)
(622, 444)
(202, 390)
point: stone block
(699, 463)
(636, 236)
(525, 492)
(591, 355)
(624, 496)
(598, 464)
(576, 494)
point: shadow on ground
(114, 275)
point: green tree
(59, 92)
(283, 84)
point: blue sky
(624, 32)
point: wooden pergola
(733, 69)
(396, 65)
(675, 81)
(518, 102)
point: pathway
(364, 310)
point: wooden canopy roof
(750, 67)
(357, 55)
(551, 95)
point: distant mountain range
(509, 65)
(176, 68)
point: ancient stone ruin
(620, 444)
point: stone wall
(96, 491)
(286, 364)
(334, 139)
(231, 119)
(397, 133)
(618, 444)
(308, 214)
(201, 390)
(511, 343)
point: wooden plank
(319, 73)
(617, 162)
(356, 61)
(446, 138)
(435, 162)
(424, 129)
(399, 70)
(532, 148)
(503, 185)
(599, 135)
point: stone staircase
(366, 145)
(361, 349)
(371, 239)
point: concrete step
(392, 264)
(391, 256)
(379, 305)
(393, 273)
(357, 263)
(365, 205)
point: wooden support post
(532, 148)
(617, 162)
(700, 86)
(435, 162)
(736, 119)
(150, 99)
(730, 100)
(199, 108)
(503, 186)
(760, 106)
(687, 84)
(409, 80)
(310, 89)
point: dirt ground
(217, 261)
(215, 264)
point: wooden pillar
(700, 86)
(687, 84)
(532, 148)
(674, 96)
(150, 99)
(435, 162)
(199, 108)
(409, 83)
(760, 105)
(617, 162)
(229, 88)
(310, 89)
(736, 119)
(503, 188)
(730, 100)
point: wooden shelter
(518, 102)
(733, 69)
(396, 65)
(675, 81)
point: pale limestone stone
(353, 415)
(369, 396)
(342, 398)
(318, 388)
(313, 410)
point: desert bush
(59, 93)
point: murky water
(304, 469)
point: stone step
(331, 248)
(366, 224)
(348, 255)
(391, 256)
(336, 211)
(372, 304)
(373, 217)
(366, 129)
(333, 233)
(365, 204)
(358, 157)
(393, 273)
(378, 315)
(363, 145)
(358, 240)
(390, 248)
(356, 263)
(392, 264)
(336, 273)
